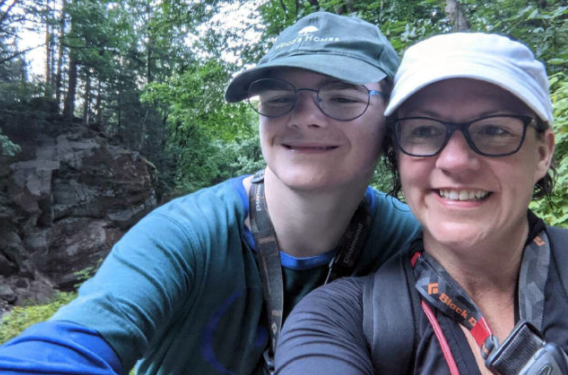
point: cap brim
(423, 77)
(338, 66)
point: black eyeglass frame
(451, 127)
(318, 99)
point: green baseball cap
(342, 47)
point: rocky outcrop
(64, 201)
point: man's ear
(544, 153)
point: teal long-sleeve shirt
(181, 291)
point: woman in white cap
(182, 291)
(484, 289)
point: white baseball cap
(486, 57)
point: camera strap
(440, 290)
(268, 256)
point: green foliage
(21, 317)
(7, 147)
(195, 98)
(203, 131)
(20, 113)
(382, 177)
(542, 25)
(556, 213)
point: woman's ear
(544, 153)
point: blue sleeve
(58, 348)
(139, 288)
(324, 334)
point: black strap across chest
(268, 252)
(391, 329)
(440, 290)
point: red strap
(414, 258)
(441, 339)
(479, 328)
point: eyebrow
(429, 113)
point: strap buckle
(517, 350)
(268, 362)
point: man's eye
(276, 100)
(343, 100)
(343, 96)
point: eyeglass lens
(492, 135)
(339, 100)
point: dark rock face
(64, 201)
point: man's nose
(306, 111)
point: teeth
(463, 195)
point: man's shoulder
(384, 201)
(225, 198)
(392, 219)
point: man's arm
(58, 347)
(110, 324)
(324, 334)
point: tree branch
(5, 14)
(16, 54)
(283, 6)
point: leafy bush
(556, 213)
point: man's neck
(309, 223)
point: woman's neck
(488, 273)
(488, 266)
(309, 223)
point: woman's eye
(493, 131)
(425, 132)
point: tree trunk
(60, 56)
(120, 131)
(98, 109)
(69, 106)
(87, 97)
(48, 51)
(456, 14)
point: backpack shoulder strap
(390, 313)
(559, 250)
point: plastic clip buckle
(268, 362)
(516, 351)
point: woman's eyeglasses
(497, 135)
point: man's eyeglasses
(339, 100)
(497, 135)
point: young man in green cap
(202, 284)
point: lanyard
(268, 254)
(440, 290)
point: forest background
(152, 74)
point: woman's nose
(457, 155)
